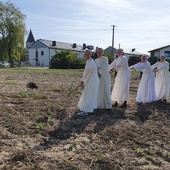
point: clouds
(141, 24)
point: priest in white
(146, 90)
(120, 92)
(161, 69)
(104, 95)
(88, 99)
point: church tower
(29, 42)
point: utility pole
(113, 39)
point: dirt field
(39, 129)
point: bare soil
(39, 129)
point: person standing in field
(146, 90)
(120, 92)
(88, 99)
(104, 98)
(161, 69)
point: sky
(140, 24)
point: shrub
(66, 60)
(133, 60)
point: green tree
(110, 57)
(65, 58)
(12, 32)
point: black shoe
(164, 100)
(115, 104)
(124, 105)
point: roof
(61, 45)
(109, 50)
(30, 37)
(159, 48)
(133, 53)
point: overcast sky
(140, 24)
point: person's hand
(112, 70)
(155, 70)
(132, 69)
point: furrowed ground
(39, 129)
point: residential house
(41, 52)
(127, 53)
(162, 50)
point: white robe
(162, 80)
(88, 99)
(120, 90)
(146, 90)
(104, 95)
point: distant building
(127, 53)
(162, 50)
(30, 41)
(109, 50)
(41, 52)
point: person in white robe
(120, 92)
(161, 69)
(88, 99)
(146, 90)
(104, 95)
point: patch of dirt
(39, 129)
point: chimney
(53, 43)
(84, 46)
(133, 49)
(74, 45)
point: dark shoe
(124, 105)
(164, 100)
(115, 104)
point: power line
(92, 30)
(136, 30)
(75, 30)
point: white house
(162, 50)
(41, 52)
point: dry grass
(39, 129)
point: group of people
(154, 82)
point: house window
(42, 52)
(167, 54)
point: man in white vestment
(146, 90)
(161, 68)
(104, 98)
(120, 92)
(88, 99)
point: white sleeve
(112, 65)
(154, 65)
(141, 66)
(87, 73)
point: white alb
(120, 90)
(88, 99)
(162, 80)
(104, 95)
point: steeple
(30, 38)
